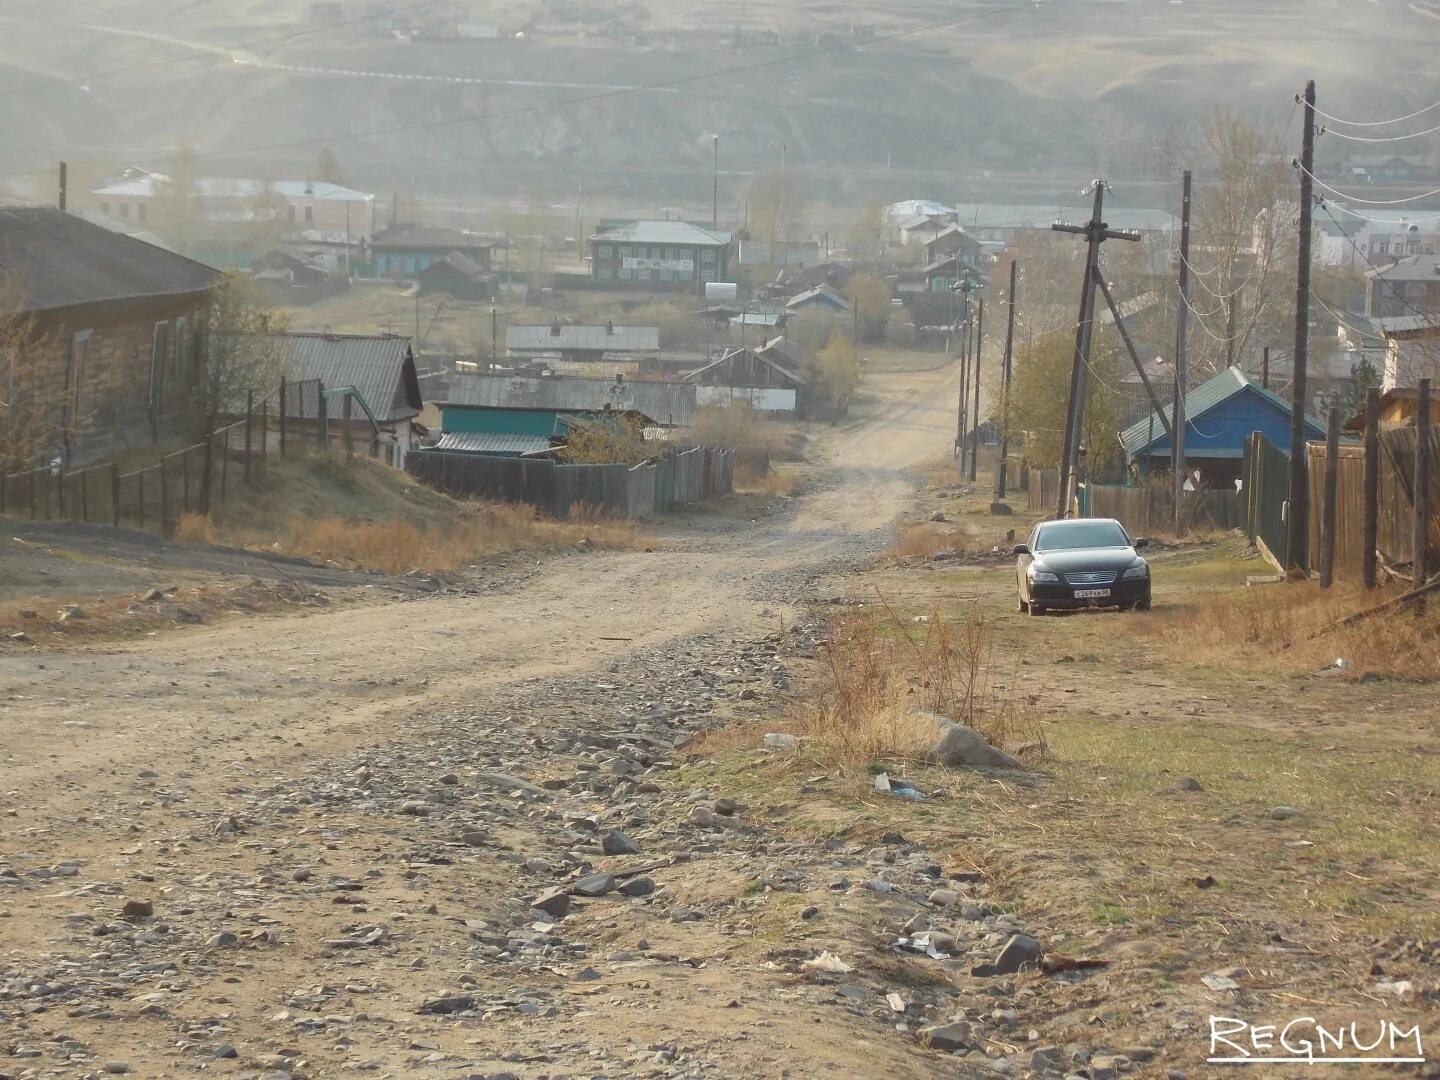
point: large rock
(946, 1037)
(554, 902)
(616, 842)
(962, 747)
(1019, 953)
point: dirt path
(241, 777)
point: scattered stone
(616, 842)
(1047, 1058)
(1019, 953)
(944, 898)
(222, 939)
(1283, 813)
(961, 747)
(71, 613)
(703, 817)
(726, 807)
(117, 1068)
(448, 1006)
(474, 838)
(450, 779)
(415, 808)
(553, 902)
(638, 886)
(594, 885)
(137, 909)
(945, 1037)
(1188, 783)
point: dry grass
(882, 675)
(769, 482)
(1295, 626)
(397, 545)
(921, 540)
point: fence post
(115, 495)
(249, 420)
(1372, 487)
(85, 496)
(185, 477)
(225, 467)
(1328, 509)
(347, 410)
(322, 412)
(164, 501)
(1422, 485)
(60, 492)
(282, 417)
(3, 492)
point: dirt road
(308, 804)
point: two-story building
(1409, 286)
(404, 251)
(659, 256)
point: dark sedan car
(1087, 562)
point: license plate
(1091, 594)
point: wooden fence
(1395, 534)
(632, 491)
(193, 479)
(1043, 488)
(1150, 508)
(1264, 495)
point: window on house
(180, 360)
(105, 208)
(606, 273)
(626, 275)
(159, 339)
(142, 211)
(667, 275)
(643, 275)
(605, 251)
(309, 213)
(290, 211)
(124, 209)
(707, 256)
(77, 401)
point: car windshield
(1081, 534)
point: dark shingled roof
(58, 260)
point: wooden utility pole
(1182, 324)
(1265, 368)
(1095, 233)
(1422, 483)
(64, 195)
(1001, 464)
(1372, 486)
(968, 321)
(1328, 510)
(1298, 510)
(715, 186)
(975, 397)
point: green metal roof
(1205, 398)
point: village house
(778, 252)
(659, 256)
(954, 241)
(290, 277)
(668, 404)
(1398, 407)
(1409, 286)
(111, 351)
(1220, 415)
(1412, 349)
(459, 276)
(589, 344)
(376, 372)
(403, 251)
(310, 210)
(1389, 168)
(821, 298)
(749, 376)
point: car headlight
(1141, 571)
(1042, 575)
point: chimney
(619, 378)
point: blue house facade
(1220, 415)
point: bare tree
(177, 201)
(32, 397)
(242, 349)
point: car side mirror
(1140, 542)
(1021, 549)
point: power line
(1377, 123)
(1378, 273)
(1356, 198)
(580, 99)
(1380, 138)
(209, 51)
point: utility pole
(975, 398)
(1421, 487)
(1001, 464)
(1096, 233)
(64, 186)
(715, 185)
(1182, 345)
(494, 337)
(780, 225)
(1298, 510)
(966, 320)
(1265, 368)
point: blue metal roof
(1146, 432)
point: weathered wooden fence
(1150, 508)
(1043, 489)
(1395, 533)
(1264, 494)
(632, 491)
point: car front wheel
(1036, 609)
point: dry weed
(195, 528)
(882, 676)
(1296, 626)
(769, 482)
(921, 540)
(398, 546)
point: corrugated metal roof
(474, 442)
(665, 403)
(600, 338)
(429, 237)
(380, 367)
(664, 232)
(1410, 268)
(59, 260)
(819, 294)
(225, 187)
(1205, 398)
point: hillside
(1051, 90)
